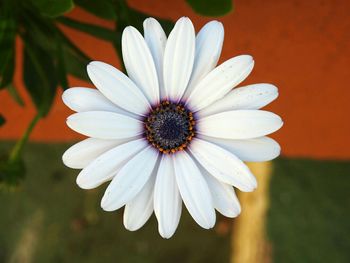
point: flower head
(174, 129)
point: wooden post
(248, 242)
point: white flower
(173, 130)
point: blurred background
(301, 210)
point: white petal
(251, 97)
(104, 125)
(194, 190)
(117, 87)
(156, 39)
(139, 63)
(130, 179)
(224, 196)
(106, 166)
(82, 153)
(167, 199)
(220, 81)
(140, 208)
(209, 42)
(223, 165)
(178, 58)
(239, 124)
(86, 99)
(250, 150)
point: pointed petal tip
(68, 97)
(239, 210)
(279, 121)
(282, 123)
(235, 211)
(90, 67)
(149, 21)
(152, 24)
(64, 97)
(246, 56)
(107, 206)
(128, 30)
(217, 24)
(65, 159)
(247, 190)
(80, 182)
(277, 150)
(253, 184)
(83, 183)
(208, 225)
(95, 64)
(252, 187)
(104, 203)
(209, 222)
(131, 226)
(184, 20)
(166, 234)
(273, 89)
(69, 119)
(248, 60)
(271, 86)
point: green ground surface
(49, 219)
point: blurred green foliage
(49, 55)
(57, 222)
(211, 7)
(2, 120)
(308, 219)
(309, 211)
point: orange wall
(301, 46)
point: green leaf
(211, 7)
(39, 75)
(129, 16)
(75, 64)
(67, 42)
(75, 60)
(8, 68)
(94, 30)
(100, 8)
(41, 29)
(15, 95)
(7, 51)
(53, 8)
(2, 120)
(11, 172)
(61, 65)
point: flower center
(169, 127)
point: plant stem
(17, 149)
